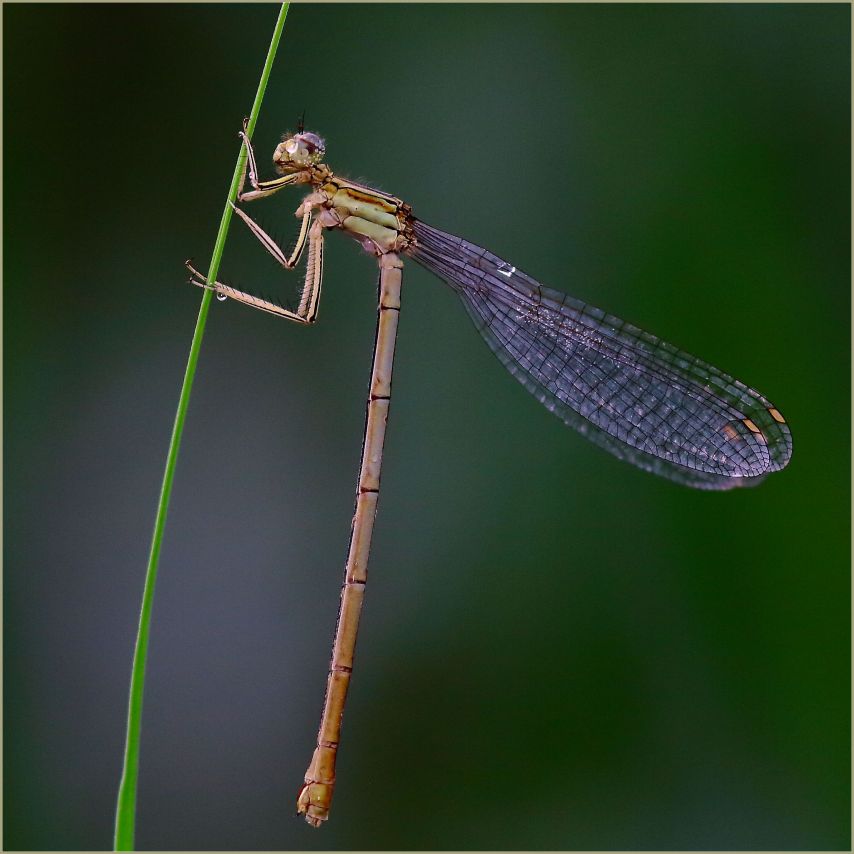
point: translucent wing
(642, 399)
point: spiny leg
(250, 161)
(270, 244)
(267, 188)
(260, 189)
(197, 278)
(309, 300)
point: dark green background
(558, 651)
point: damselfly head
(298, 151)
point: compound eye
(313, 145)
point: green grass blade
(126, 808)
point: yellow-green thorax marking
(379, 221)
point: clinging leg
(261, 189)
(270, 244)
(313, 274)
(309, 300)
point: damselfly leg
(309, 232)
(309, 299)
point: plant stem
(126, 808)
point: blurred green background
(558, 651)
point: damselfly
(642, 399)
